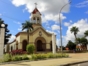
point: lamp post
(61, 25)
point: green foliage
(34, 57)
(39, 56)
(30, 48)
(24, 57)
(7, 36)
(86, 33)
(71, 45)
(62, 47)
(16, 58)
(83, 40)
(74, 30)
(27, 25)
(7, 57)
(48, 55)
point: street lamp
(60, 24)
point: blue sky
(15, 12)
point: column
(87, 46)
(53, 44)
(2, 42)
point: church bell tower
(36, 16)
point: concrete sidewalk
(78, 57)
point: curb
(14, 62)
(68, 64)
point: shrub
(16, 52)
(16, 58)
(24, 57)
(51, 55)
(30, 48)
(34, 57)
(41, 56)
(38, 56)
(57, 55)
(7, 57)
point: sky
(16, 12)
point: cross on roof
(35, 4)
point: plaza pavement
(74, 57)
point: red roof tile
(35, 10)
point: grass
(42, 56)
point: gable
(42, 30)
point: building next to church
(38, 36)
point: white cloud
(58, 42)
(82, 4)
(70, 21)
(0, 14)
(55, 27)
(53, 17)
(86, 12)
(66, 24)
(12, 38)
(51, 32)
(43, 5)
(17, 23)
(51, 12)
(82, 26)
(19, 29)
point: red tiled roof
(35, 10)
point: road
(81, 64)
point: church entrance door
(39, 45)
(24, 44)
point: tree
(74, 30)
(62, 47)
(78, 40)
(30, 48)
(7, 35)
(86, 33)
(27, 25)
(71, 45)
(84, 41)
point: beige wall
(32, 37)
(18, 39)
(13, 45)
(44, 35)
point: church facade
(42, 39)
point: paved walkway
(53, 62)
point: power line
(4, 2)
(7, 15)
(11, 17)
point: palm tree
(86, 33)
(74, 30)
(27, 25)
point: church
(43, 40)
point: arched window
(17, 45)
(11, 48)
(24, 44)
(38, 18)
(34, 18)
